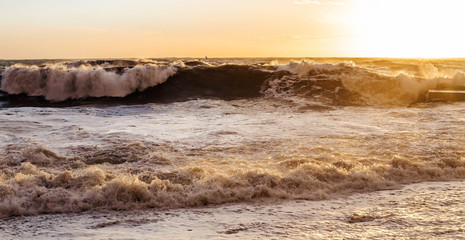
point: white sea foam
(374, 86)
(430, 210)
(58, 84)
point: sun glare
(412, 28)
(260, 28)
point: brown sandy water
(431, 210)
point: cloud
(322, 2)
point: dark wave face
(338, 83)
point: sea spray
(57, 84)
(299, 82)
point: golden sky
(231, 28)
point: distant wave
(149, 81)
(365, 86)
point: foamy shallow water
(213, 122)
(431, 210)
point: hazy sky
(231, 28)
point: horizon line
(229, 57)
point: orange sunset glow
(258, 28)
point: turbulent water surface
(95, 137)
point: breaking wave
(297, 82)
(348, 84)
(57, 84)
(39, 180)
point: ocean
(250, 148)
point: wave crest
(58, 84)
(368, 86)
(302, 83)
